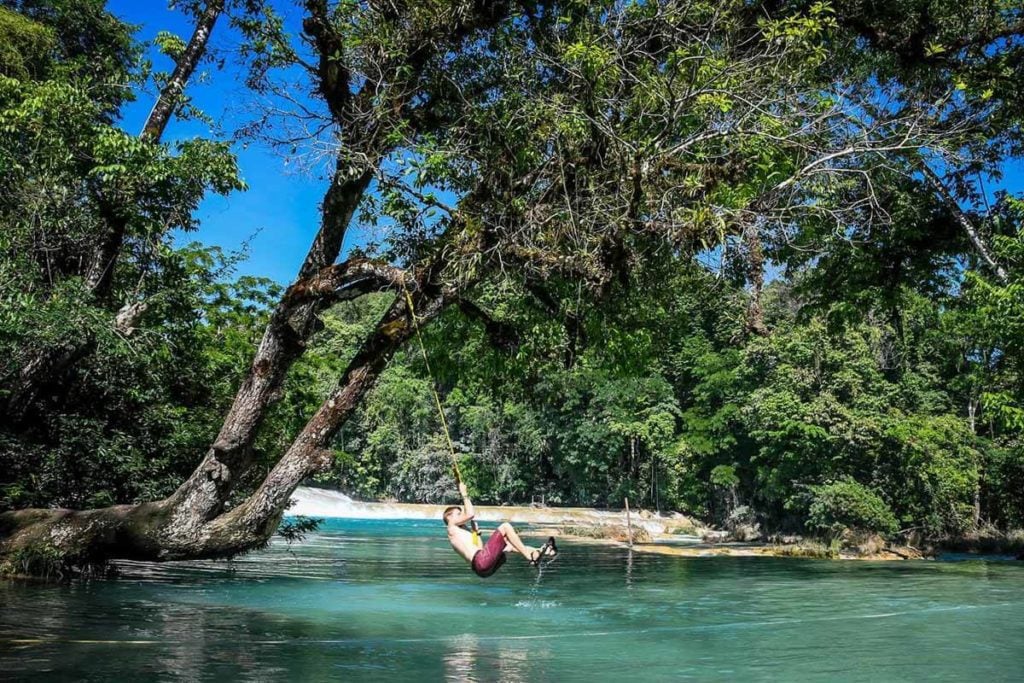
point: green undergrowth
(47, 563)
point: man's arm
(467, 505)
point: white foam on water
(311, 502)
(538, 604)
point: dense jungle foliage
(855, 369)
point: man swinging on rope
(485, 561)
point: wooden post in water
(629, 525)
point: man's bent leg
(512, 538)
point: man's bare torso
(462, 541)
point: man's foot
(549, 550)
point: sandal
(548, 550)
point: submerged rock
(610, 532)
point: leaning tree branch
(100, 274)
(185, 66)
(342, 282)
(961, 217)
(256, 518)
(502, 336)
(126, 322)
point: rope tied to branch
(437, 399)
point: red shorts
(488, 559)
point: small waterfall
(312, 502)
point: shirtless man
(485, 561)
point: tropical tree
(550, 148)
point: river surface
(388, 600)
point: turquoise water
(387, 600)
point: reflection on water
(373, 600)
(465, 659)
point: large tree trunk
(202, 495)
(259, 515)
(35, 540)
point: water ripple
(390, 600)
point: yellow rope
(437, 400)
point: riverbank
(673, 534)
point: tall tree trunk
(972, 411)
(186, 65)
(755, 275)
(99, 276)
(99, 273)
(202, 496)
(48, 365)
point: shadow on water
(370, 600)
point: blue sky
(277, 218)
(279, 214)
